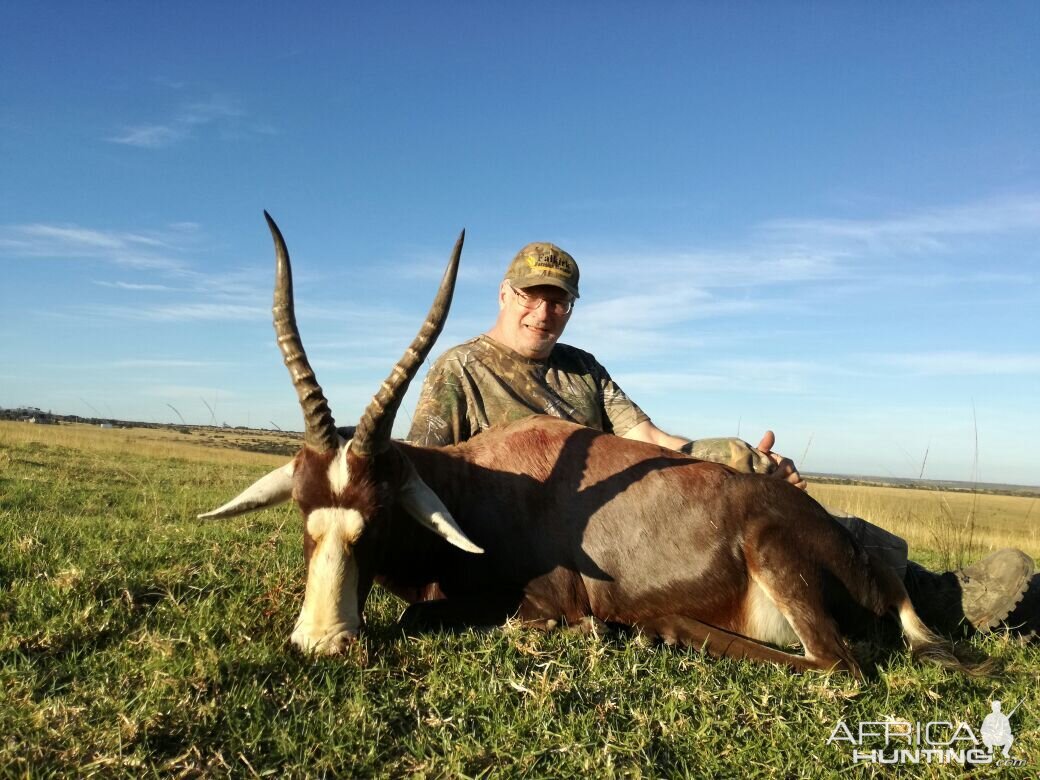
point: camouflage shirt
(482, 383)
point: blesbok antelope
(552, 522)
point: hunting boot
(1024, 621)
(979, 597)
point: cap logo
(549, 264)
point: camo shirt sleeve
(622, 411)
(440, 415)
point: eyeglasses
(552, 305)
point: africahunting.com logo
(894, 741)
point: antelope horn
(373, 432)
(319, 427)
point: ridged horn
(373, 432)
(319, 427)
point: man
(519, 368)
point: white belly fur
(763, 621)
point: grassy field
(949, 528)
(137, 641)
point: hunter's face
(531, 321)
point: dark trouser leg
(885, 546)
(937, 599)
(979, 597)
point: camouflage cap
(541, 263)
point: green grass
(138, 641)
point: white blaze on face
(330, 616)
(339, 471)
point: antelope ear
(270, 490)
(419, 500)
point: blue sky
(821, 218)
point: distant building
(39, 419)
(107, 425)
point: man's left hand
(785, 468)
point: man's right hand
(784, 468)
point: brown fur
(579, 524)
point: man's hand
(785, 468)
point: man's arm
(651, 434)
(732, 452)
(440, 415)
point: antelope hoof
(331, 641)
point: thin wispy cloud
(74, 242)
(167, 363)
(163, 81)
(661, 308)
(987, 277)
(962, 363)
(182, 312)
(752, 266)
(221, 114)
(204, 112)
(150, 136)
(241, 286)
(135, 286)
(73, 238)
(926, 229)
